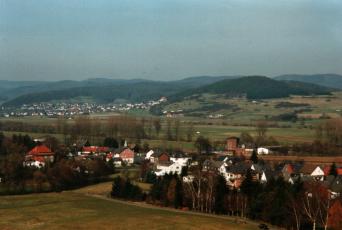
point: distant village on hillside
(73, 109)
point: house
(127, 155)
(287, 171)
(39, 156)
(327, 170)
(263, 151)
(232, 144)
(161, 157)
(168, 168)
(180, 159)
(210, 165)
(149, 154)
(261, 172)
(97, 150)
(117, 161)
(233, 148)
(234, 174)
(318, 173)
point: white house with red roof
(127, 155)
(39, 156)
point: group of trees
(302, 205)
(123, 188)
(167, 191)
(330, 132)
(60, 175)
(118, 127)
(297, 206)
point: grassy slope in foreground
(69, 210)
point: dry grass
(75, 210)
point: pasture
(88, 208)
(311, 110)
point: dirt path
(149, 206)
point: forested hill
(256, 87)
(101, 89)
(106, 91)
(328, 80)
(101, 94)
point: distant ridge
(105, 90)
(257, 87)
(328, 80)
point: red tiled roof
(94, 149)
(127, 153)
(339, 171)
(327, 170)
(40, 150)
(288, 168)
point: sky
(168, 39)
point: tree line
(57, 176)
(302, 205)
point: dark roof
(336, 186)
(239, 168)
(158, 154)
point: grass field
(233, 123)
(88, 208)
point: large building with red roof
(39, 156)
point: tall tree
(110, 142)
(190, 132)
(220, 193)
(157, 126)
(261, 132)
(333, 170)
(254, 156)
(177, 129)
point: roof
(212, 163)
(336, 186)
(126, 151)
(327, 170)
(158, 154)
(95, 149)
(288, 168)
(308, 168)
(239, 168)
(40, 150)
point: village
(233, 163)
(65, 109)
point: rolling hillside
(109, 90)
(102, 90)
(328, 80)
(255, 87)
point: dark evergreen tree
(87, 144)
(254, 157)
(110, 142)
(333, 170)
(117, 187)
(220, 193)
(178, 193)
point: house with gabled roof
(318, 173)
(159, 157)
(168, 168)
(39, 156)
(127, 155)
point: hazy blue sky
(168, 39)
